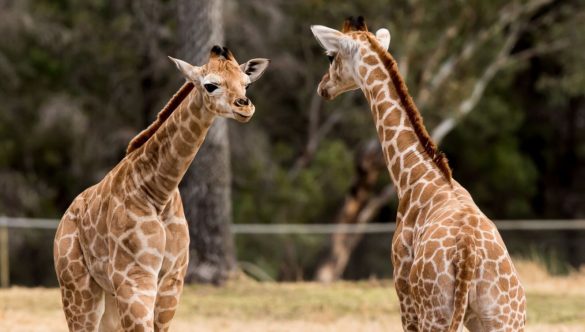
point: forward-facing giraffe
(121, 249)
(450, 264)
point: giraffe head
(344, 50)
(222, 82)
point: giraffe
(451, 267)
(121, 248)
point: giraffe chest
(162, 255)
(177, 246)
(116, 239)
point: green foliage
(72, 98)
(486, 157)
(309, 196)
(567, 79)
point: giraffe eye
(331, 58)
(210, 87)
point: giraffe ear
(188, 70)
(383, 36)
(254, 68)
(330, 39)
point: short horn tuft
(355, 24)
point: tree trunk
(206, 188)
(369, 163)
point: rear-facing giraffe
(450, 264)
(121, 249)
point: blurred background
(501, 85)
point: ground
(554, 304)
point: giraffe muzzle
(322, 91)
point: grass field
(554, 304)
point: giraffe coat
(121, 248)
(451, 267)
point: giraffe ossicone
(121, 248)
(451, 267)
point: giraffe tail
(465, 265)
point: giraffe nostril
(242, 102)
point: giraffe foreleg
(170, 284)
(167, 300)
(135, 297)
(137, 260)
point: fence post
(4, 262)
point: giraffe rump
(162, 116)
(412, 112)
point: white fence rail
(373, 228)
(504, 225)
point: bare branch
(442, 46)
(314, 115)
(509, 14)
(468, 104)
(375, 203)
(315, 135)
(539, 50)
(481, 84)
(411, 38)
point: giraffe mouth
(242, 117)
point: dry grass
(554, 304)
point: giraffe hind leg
(472, 322)
(407, 307)
(82, 297)
(110, 321)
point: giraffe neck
(408, 162)
(161, 163)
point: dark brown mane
(354, 24)
(411, 110)
(175, 101)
